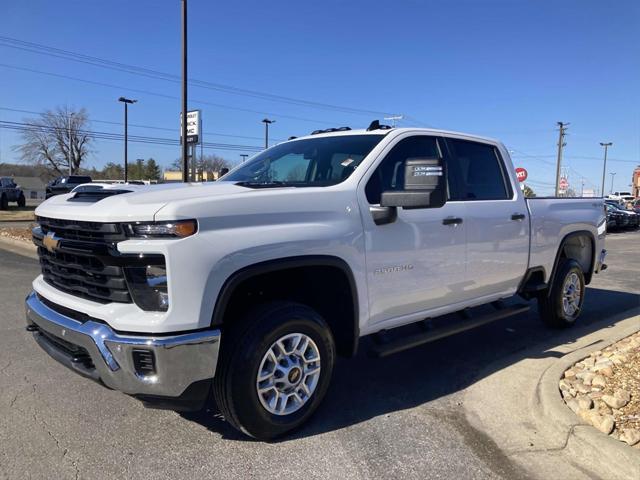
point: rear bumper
(94, 350)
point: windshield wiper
(269, 184)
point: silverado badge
(51, 242)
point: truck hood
(125, 202)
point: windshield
(306, 163)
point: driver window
(389, 175)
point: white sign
(194, 120)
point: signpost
(563, 185)
(194, 137)
(521, 174)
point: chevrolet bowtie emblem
(50, 242)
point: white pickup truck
(249, 287)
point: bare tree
(57, 139)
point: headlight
(148, 287)
(176, 229)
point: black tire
(22, 202)
(244, 344)
(4, 202)
(551, 304)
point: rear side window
(481, 171)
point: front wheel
(22, 201)
(4, 202)
(561, 307)
(274, 369)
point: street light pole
(604, 168)
(243, 156)
(127, 102)
(613, 174)
(267, 122)
(185, 151)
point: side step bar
(405, 343)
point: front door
(415, 264)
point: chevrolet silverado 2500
(249, 287)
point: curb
(624, 461)
(19, 247)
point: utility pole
(127, 102)
(185, 151)
(582, 186)
(70, 145)
(243, 156)
(267, 122)
(613, 174)
(604, 168)
(563, 127)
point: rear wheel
(4, 202)
(561, 307)
(21, 200)
(274, 369)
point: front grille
(84, 231)
(84, 275)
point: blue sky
(503, 68)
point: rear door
(496, 220)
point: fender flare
(589, 273)
(285, 263)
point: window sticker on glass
(347, 162)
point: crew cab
(10, 192)
(250, 287)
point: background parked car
(10, 192)
(65, 184)
(628, 218)
(615, 220)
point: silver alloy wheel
(571, 295)
(288, 374)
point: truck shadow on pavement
(363, 388)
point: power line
(167, 129)
(21, 126)
(135, 70)
(162, 95)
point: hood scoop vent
(92, 194)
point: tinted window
(79, 179)
(389, 175)
(308, 162)
(480, 170)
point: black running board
(405, 343)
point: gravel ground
(604, 389)
(16, 233)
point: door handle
(518, 216)
(452, 221)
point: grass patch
(17, 214)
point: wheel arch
(293, 269)
(573, 246)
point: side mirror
(424, 185)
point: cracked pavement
(399, 417)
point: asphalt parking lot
(399, 417)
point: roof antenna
(375, 125)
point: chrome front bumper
(180, 360)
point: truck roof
(429, 131)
